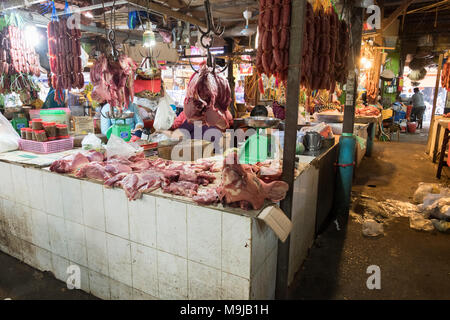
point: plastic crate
(46, 147)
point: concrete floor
(414, 265)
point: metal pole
(436, 93)
(290, 135)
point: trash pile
(430, 210)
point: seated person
(136, 124)
(50, 101)
(259, 111)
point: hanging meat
(341, 63)
(272, 57)
(18, 61)
(445, 78)
(113, 80)
(207, 99)
(64, 49)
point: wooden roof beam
(386, 23)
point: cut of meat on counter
(208, 97)
(242, 188)
(241, 185)
(113, 81)
(445, 77)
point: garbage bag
(418, 222)
(424, 189)
(118, 147)
(9, 139)
(441, 225)
(371, 228)
(164, 114)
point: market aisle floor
(413, 264)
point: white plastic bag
(164, 115)
(118, 147)
(371, 228)
(424, 189)
(9, 139)
(91, 142)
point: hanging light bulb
(148, 38)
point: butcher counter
(159, 247)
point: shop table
(371, 130)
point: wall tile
(119, 259)
(60, 266)
(76, 243)
(93, 210)
(85, 286)
(204, 282)
(53, 194)
(172, 276)
(139, 295)
(96, 250)
(6, 185)
(204, 236)
(171, 226)
(142, 215)
(20, 222)
(120, 291)
(29, 253)
(99, 285)
(19, 179)
(144, 268)
(39, 229)
(36, 188)
(57, 236)
(236, 244)
(9, 209)
(116, 212)
(14, 246)
(234, 287)
(72, 203)
(44, 259)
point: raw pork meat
(207, 99)
(241, 184)
(69, 164)
(207, 196)
(181, 188)
(93, 170)
(113, 80)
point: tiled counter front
(153, 248)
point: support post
(436, 93)
(231, 80)
(298, 10)
(347, 141)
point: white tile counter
(153, 248)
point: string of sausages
(272, 57)
(445, 78)
(325, 44)
(64, 49)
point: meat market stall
(139, 224)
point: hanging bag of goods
(64, 51)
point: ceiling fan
(246, 31)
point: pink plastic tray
(46, 147)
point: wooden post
(436, 93)
(356, 23)
(290, 135)
(230, 44)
